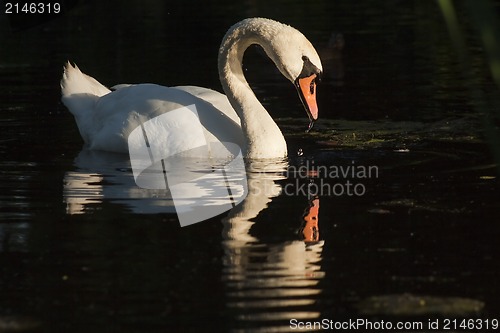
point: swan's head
(297, 60)
(289, 49)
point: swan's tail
(80, 91)
(75, 82)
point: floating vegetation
(416, 305)
(397, 135)
(18, 324)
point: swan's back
(105, 118)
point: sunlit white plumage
(105, 118)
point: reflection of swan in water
(195, 186)
(262, 188)
(269, 281)
(103, 176)
(310, 227)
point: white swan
(105, 118)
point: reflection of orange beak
(306, 87)
(311, 230)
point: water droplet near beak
(310, 126)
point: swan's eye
(305, 58)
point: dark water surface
(83, 249)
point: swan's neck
(263, 137)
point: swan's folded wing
(218, 100)
(120, 86)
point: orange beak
(306, 87)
